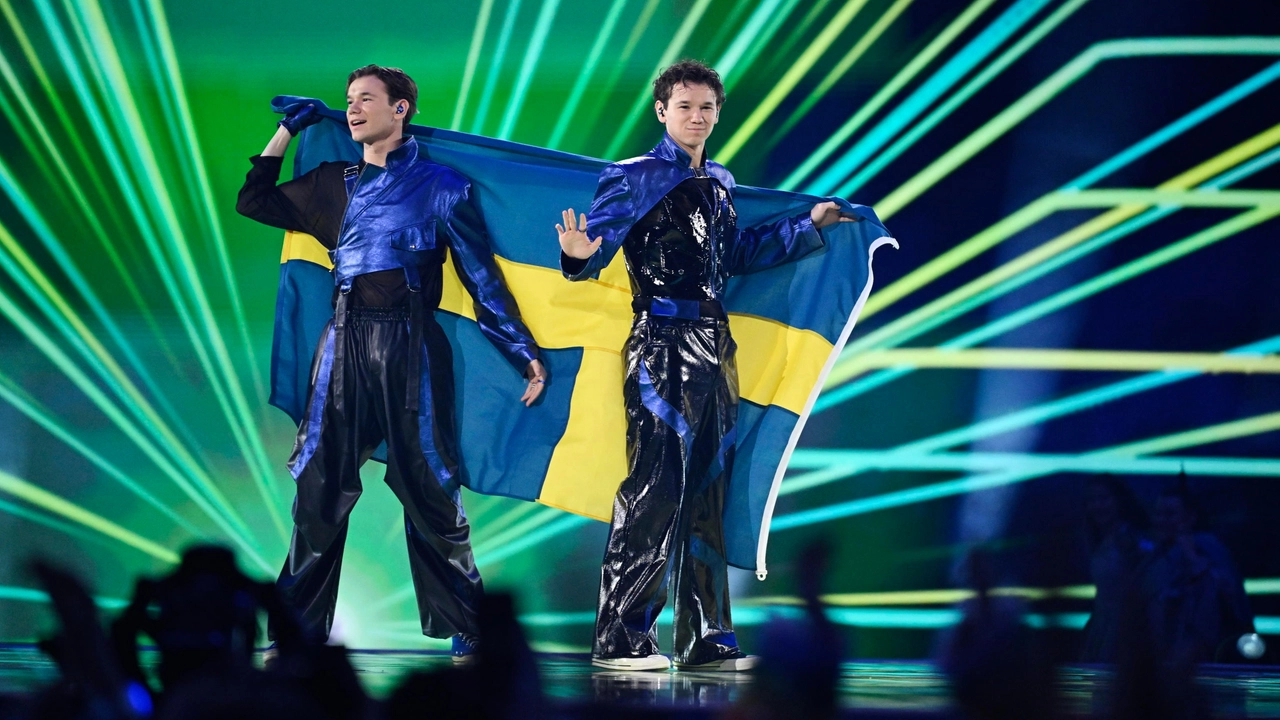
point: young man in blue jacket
(383, 371)
(671, 213)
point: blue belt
(683, 309)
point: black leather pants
(363, 403)
(681, 396)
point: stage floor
(891, 689)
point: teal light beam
(495, 67)
(756, 45)
(541, 28)
(954, 70)
(864, 460)
(108, 69)
(970, 88)
(137, 406)
(11, 393)
(192, 159)
(1027, 417)
(67, 181)
(21, 594)
(749, 35)
(885, 93)
(1153, 141)
(78, 532)
(1049, 88)
(473, 58)
(858, 387)
(565, 524)
(729, 25)
(569, 114)
(81, 336)
(603, 97)
(782, 54)
(224, 519)
(975, 483)
(672, 52)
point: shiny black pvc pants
(364, 403)
(681, 395)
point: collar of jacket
(669, 149)
(403, 157)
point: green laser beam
(1200, 436)
(541, 29)
(864, 460)
(227, 520)
(604, 96)
(495, 67)
(11, 393)
(884, 94)
(473, 59)
(842, 68)
(795, 73)
(99, 48)
(1048, 89)
(570, 111)
(669, 55)
(955, 69)
(970, 88)
(40, 497)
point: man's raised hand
(299, 116)
(574, 241)
(828, 213)
(537, 375)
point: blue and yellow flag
(569, 450)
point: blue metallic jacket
(406, 216)
(629, 189)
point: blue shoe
(466, 649)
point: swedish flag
(569, 452)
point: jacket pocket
(414, 238)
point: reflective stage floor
(893, 689)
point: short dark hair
(687, 72)
(399, 85)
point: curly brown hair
(687, 72)
(399, 85)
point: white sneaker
(742, 663)
(652, 662)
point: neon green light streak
(801, 67)
(877, 101)
(970, 88)
(857, 461)
(473, 58)
(782, 54)
(111, 74)
(494, 527)
(224, 519)
(11, 393)
(752, 33)
(728, 25)
(76, 531)
(518, 530)
(28, 595)
(674, 48)
(602, 98)
(194, 163)
(1093, 360)
(1051, 87)
(588, 69)
(495, 67)
(1035, 258)
(750, 43)
(1201, 436)
(39, 287)
(66, 181)
(541, 28)
(71, 130)
(841, 68)
(24, 490)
